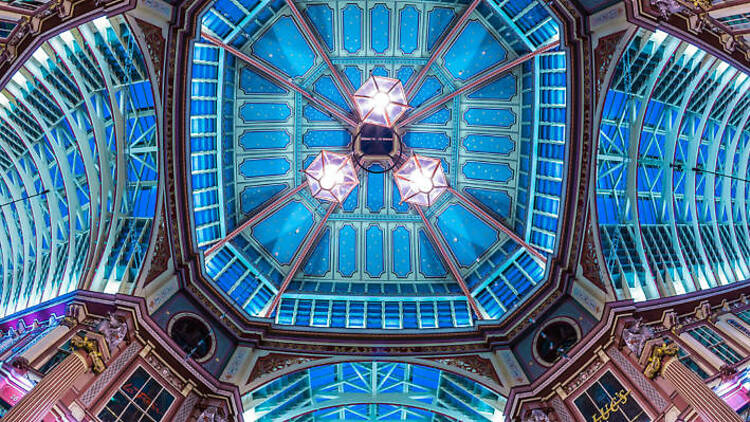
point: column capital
(656, 360)
(91, 348)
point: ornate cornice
(690, 21)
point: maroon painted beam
(281, 79)
(254, 219)
(299, 258)
(413, 83)
(449, 262)
(421, 111)
(302, 22)
(498, 225)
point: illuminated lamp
(421, 180)
(331, 176)
(381, 101)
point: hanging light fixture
(381, 101)
(421, 180)
(331, 176)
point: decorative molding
(165, 372)
(583, 376)
(605, 50)
(155, 44)
(161, 256)
(473, 364)
(563, 415)
(112, 371)
(274, 362)
(635, 376)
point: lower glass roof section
(373, 391)
(78, 166)
(271, 87)
(673, 169)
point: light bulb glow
(331, 176)
(381, 100)
(423, 182)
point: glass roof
(373, 391)
(78, 166)
(272, 85)
(673, 168)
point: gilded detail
(658, 354)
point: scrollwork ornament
(536, 415)
(655, 364)
(212, 414)
(636, 336)
(91, 348)
(114, 331)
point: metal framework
(77, 122)
(673, 154)
(373, 391)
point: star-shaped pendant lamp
(421, 180)
(381, 101)
(331, 176)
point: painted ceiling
(270, 89)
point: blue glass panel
(430, 264)
(409, 32)
(437, 20)
(284, 47)
(496, 200)
(354, 75)
(253, 112)
(475, 50)
(319, 262)
(254, 196)
(502, 117)
(352, 28)
(468, 236)
(487, 171)
(401, 251)
(502, 89)
(347, 251)
(326, 138)
(380, 28)
(429, 140)
(327, 88)
(262, 139)
(264, 167)
(253, 83)
(439, 117)
(313, 114)
(321, 17)
(375, 265)
(282, 232)
(486, 143)
(430, 88)
(375, 189)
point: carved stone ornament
(703, 311)
(212, 414)
(667, 8)
(636, 336)
(114, 330)
(91, 347)
(654, 366)
(536, 415)
(274, 362)
(583, 376)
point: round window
(192, 335)
(555, 339)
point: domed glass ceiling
(274, 84)
(673, 169)
(78, 170)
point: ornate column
(40, 400)
(710, 407)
